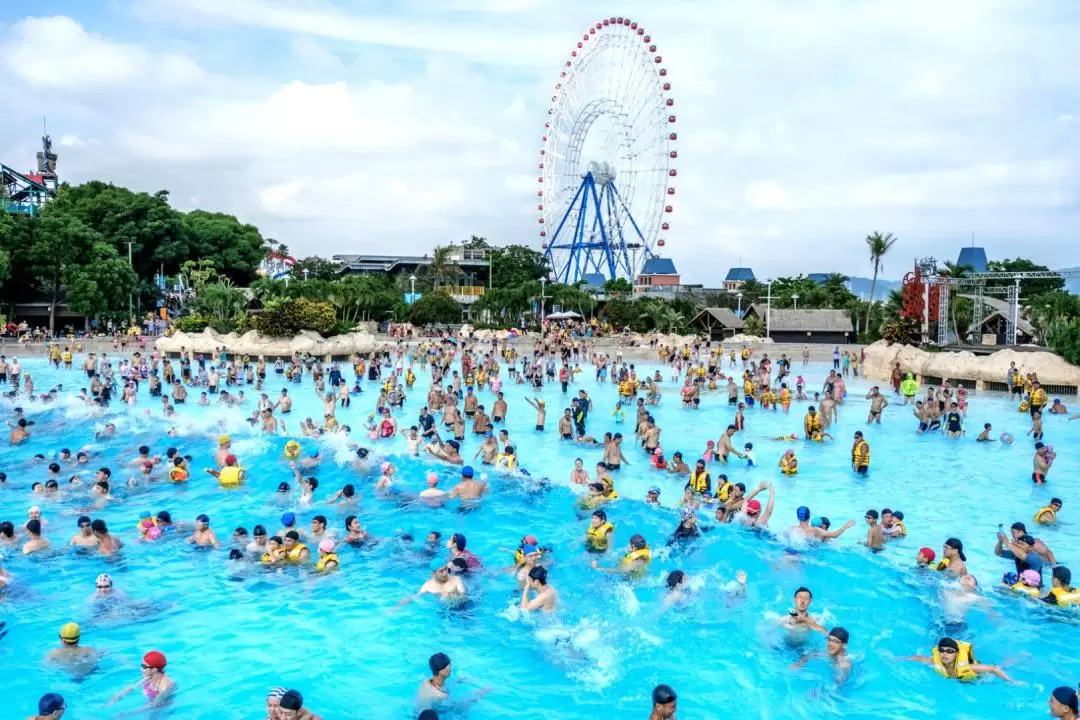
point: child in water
(748, 453)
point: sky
(393, 127)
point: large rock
(253, 344)
(1051, 369)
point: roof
(739, 274)
(973, 257)
(593, 280)
(726, 317)
(659, 266)
(390, 263)
(787, 320)
(1002, 308)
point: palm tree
(952, 270)
(442, 267)
(879, 246)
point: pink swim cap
(385, 466)
(153, 533)
(327, 545)
(1031, 578)
(432, 478)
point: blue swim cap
(467, 471)
(654, 490)
(50, 703)
(288, 519)
(803, 513)
(816, 522)
(529, 549)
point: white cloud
(800, 126)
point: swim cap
(384, 466)
(529, 549)
(1010, 578)
(164, 516)
(802, 513)
(230, 459)
(840, 634)
(432, 479)
(1031, 578)
(144, 515)
(947, 643)
(530, 540)
(654, 491)
(663, 695)
(288, 519)
(753, 507)
(928, 554)
(153, 533)
(203, 518)
(292, 700)
(70, 632)
(1064, 695)
(103, 581)
(54, 702)
(326, 546)
(292, 449)
(467, 471)
(155, 659)
(223, 440)
(438, 662)
(276, 693)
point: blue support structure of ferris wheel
(597, 242)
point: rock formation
(255, 345)
(965, 366)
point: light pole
(768, 308)
(543, 284)
(795, 299)
(412, 291)
(305, 274)
(739, 297)
(131, 264)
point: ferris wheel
(606, 180)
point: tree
(954, 271)
(60, 243)
(317, 269)
(1028, 288)
(7, 233)
(235, 249)
(618, 285)
(101, 285)
(754, 326)
(879, 246)
(515, 265)
(435, 307)
(443, 268)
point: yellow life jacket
(942, 565)
(599, 538)
(328, 558)
(507, 461)
(635, 555)
(789, 466)
(785, 396)
(67, 357)
(699, 481)
(903, 528)
(1038, 397)
(1025, 589)
(860, 454)
(812, 422)
(178, 474)
(1066, 596)
(229, 476)
(1023, 406)
(269, 558)
(748, 388)
(724, 491)
(965, 658)
(1043, 512)
(293, 556)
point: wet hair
(292, 535)
(349, 490)
(235, 554)
(459, 541)
(54, 467)
(241, 531)
(33, 527)
(7, 529)
(258, 531)
(663, 695)
(674, 578)
(539, 574)
(319, 518)
(99, 526)
(803, 589)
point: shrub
(905, 330)
(435, 307)
(192, 323)
(296, 315)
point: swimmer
(953, 558)
(875, 538)
(468, 489)
(956, 660)
(808, 530)
(443, 584)
(36, 543)
(1048, 515)
(545, 596)
(634, 562)
(433, 494)
(328, 559)
(799, 616)
(652, 496)
(664, 703)
(156, 686)
(203, 536)
(70, 652)
(835, 653)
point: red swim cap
(928, 554)
(230, 459)
(753, 506)
(154, 659)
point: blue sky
(370, 126)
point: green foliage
(362, 297)
(661, 316)
(618, 285)
(317, 268)
(235, 249)
(831, 294)
(292, 317)
(901, 330)
(193, 323)
(220, 300)
(435, 307)
(754, 326)
(1028, 288)
(102, 284)
(516, 265)
(443, 269)
(879, 245)
(623, 313)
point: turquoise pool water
(231, 635)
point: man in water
(36, 543)
(875, 538)
(85, 536)
(51, 706)
(800, 617)
(545, 598)
(816, 533)
(442, 584)
(664, 703)
(71, 653)
(468, 489)
(835, 652)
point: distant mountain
(860, 286)
(1072, 284)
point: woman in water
(155, 685)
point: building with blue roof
(737, 277)
(974, 258)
